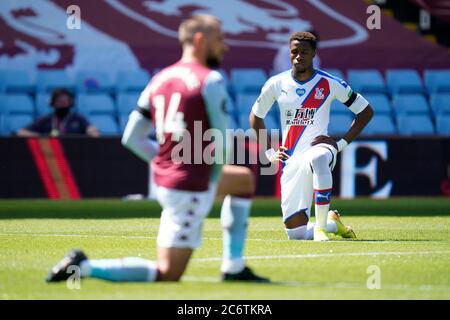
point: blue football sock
(234, 219)
(126, 269)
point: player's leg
(321, 159)
(179, 233)
(296, 195)
(237, 185)
(172, 263)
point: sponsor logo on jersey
(300, 91)
(302, 117)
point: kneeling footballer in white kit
(308, 154)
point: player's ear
(198, 39)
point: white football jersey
(305, 105)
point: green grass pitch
(406, 239)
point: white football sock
(322, 183)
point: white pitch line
(327, 255)
(207, 238)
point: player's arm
(27, 133)
(361, 120)
(135, 136)
(357, 104)
(92, 131)
(256, 118)
(215, 96)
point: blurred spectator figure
(445, 184)
(62, 121)
(282, 60)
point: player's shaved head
(304, 36)
(199, 23)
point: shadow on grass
(118, 209)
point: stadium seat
(410, 103)
(244, 103)
(48, 80)
(339, 124)
(443, 124)
(366, 81)
(93, 81)
(247, 80)
(16, 81)
(440, 103)
(43, 103)
(338, 107)
(18, 104)
(437, 80)
(3, 130)
(123, 119)
(13, 122)
(243, 121)
(95, 103)
(404, 81)
(133, 80)
(233, 122)
(106, 124)
(380, 124)
(414, 124)
(2, 103)
(271, 122)
(126, 102)
(335, 72)
(379, 102)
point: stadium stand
(105, 123)
(244, 102)
(338, 107)
(410, 103)
(132, 81)
(443, 124)
(16, 81)
(93, 81)
(15, 104)
(339, 124)
(247, 80)
(440, 103)
(42, 101)
(126, 102)
(381, 124)
(404, 81)
(95, 104)
(366, 80)
(380, 103)
(12, 122)
(415, 124)
(48, 80)
(437, 80)
(403, 93)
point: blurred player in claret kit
(178, 99)
(308, 154)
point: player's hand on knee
(324, 139)
(277, 156)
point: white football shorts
(297, 180)
(182, 216)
